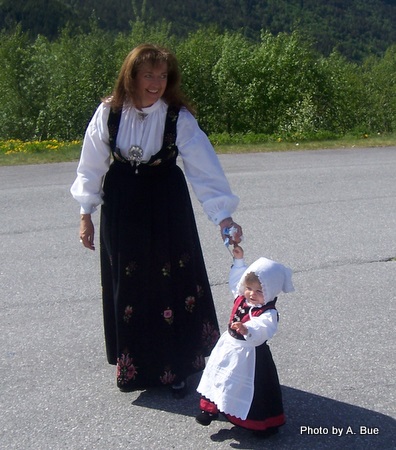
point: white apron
(228, 379)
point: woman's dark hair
(124, 90)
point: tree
(35, 17)
(198, 55)
(23, 83)
(232, 73)
(83, 72)
(379, 78)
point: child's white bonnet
(274, 278)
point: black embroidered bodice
(166, 156)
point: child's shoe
(204, 418)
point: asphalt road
(330, 215)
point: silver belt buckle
(135, 155)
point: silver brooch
(135, 155)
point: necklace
(135, 152)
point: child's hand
(240, 328)
(237, 252)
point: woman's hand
(231, 230)
(87, 231)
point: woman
(159, 316)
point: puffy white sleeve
(203, 169)
(237, 270)
(261, 328)
(94, 162)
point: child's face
(254, 293)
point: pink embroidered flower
(131, 267)
(184, 259)
(166, 269)
(168, 377)
(210, 335)
(200, 291)
(128, 313)
(126, 371)
(190, 303)
(168, 316)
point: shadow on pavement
(313, 422)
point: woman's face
(150, 84)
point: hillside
(356, 28)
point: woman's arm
(94, 162)
(203, 170)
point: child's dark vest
(240, 313)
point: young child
(240, 379)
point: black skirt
(159, 316)
(266, 410)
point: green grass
(14, 152)
(279, 145)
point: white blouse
(201, 165)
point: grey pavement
(330, 215)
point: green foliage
(15, 151)
(379, 80)
(285, 80)
(341, 94)
(23, 83)
(197, 55)
(355, 28)
(82, 72)
(278, 86)
(232, 73)
(44, 17)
